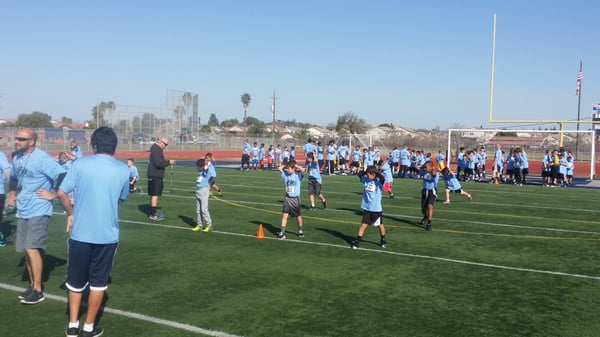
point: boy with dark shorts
(292, 175)
(373, 182)
(428, 194)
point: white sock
(88, 327)
(74, 325)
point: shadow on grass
(267, 227)
(188, 221)
(347, 238)
(84, 305)
(50, 263)
(404, 221)
(353, 210)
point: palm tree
(245, 102)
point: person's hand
(172, 161)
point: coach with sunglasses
(156, 172)
(32, 170)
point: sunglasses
(22, 139)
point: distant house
(319, 132)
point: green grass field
(517, 261)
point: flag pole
(578, 93)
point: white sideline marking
(134, 315)
(381, 251)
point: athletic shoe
(311, 208)
(446, 202)
(300, 234)
(355, 244)
(324, 203)
(33, 297)
(94, 333)
(280, 236)
(392, 196)
(156, 217)
(207, 229)
(220, 193)
(72, 332)
(2, 244)
(428, 227)
(197, 228)
(423, 221)
(26, 293)
(383, 243)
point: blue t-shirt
(4, 164)
(292, 183)
(371, 200)
(247, 148)
(314, 172)
(451, 182)
(212, 172)
(386, 170)
(37, 170)
(76, 151)
(133, 172)
(430, 181)
(202, 179)
(101, 181)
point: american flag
(579, 78)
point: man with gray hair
(156, 172)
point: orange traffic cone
(260, 234)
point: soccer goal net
(581, 144)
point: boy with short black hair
(314, 181)
(453, 185)
(292, 175)
(373, 182)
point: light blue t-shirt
(314, 172)
(4, 164)
(212, 173)
(386, 170)
(37, 170)
(202, 179)
(371, 200)
(292, 183)
(76, 151)
(133, 172)
(430, 181)
(451, 182)
(101, 181)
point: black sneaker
(280, 236)
(428, 227)
(423, 221)
(33, 297)
(72, 332)
(383, 243)
(324, 203)
(26, 293)
(300, 234)
(392, 196)
(355, 244)
(311, 208)
(94, 333)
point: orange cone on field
(260, 234)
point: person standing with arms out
(5, 175)
(156, 172)
(314, 181)
(32, 170)
(373, 182)
(292, 175)
(134, 175)
(428, 194)
(74, 150)
(93, 226)
(202, 194)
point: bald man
(32, 170)
(156, 172)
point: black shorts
(372, 218)
(314, 187)
(525, 171)
(341, 161)
(428, 197)
(155, 186)
(89, 264)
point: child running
(453, 185)
(373, 182)
(202, 193)
(292, 175)
(428, 194)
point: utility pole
(273, 112)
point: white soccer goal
(581, 143)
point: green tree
(212, 120)
(245, 103)
(350, 123)
(66, 120)
(98, 114)
(35, 119)
(230, 122)
(256, 129)
(205, 129)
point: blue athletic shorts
(89, 264)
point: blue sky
(417, 64)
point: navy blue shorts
(89, 264)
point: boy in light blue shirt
(314, 181)
(372, 182)
(134, 176)
(292, 175)
(453, 185)
(202, 194)
(428, 194)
